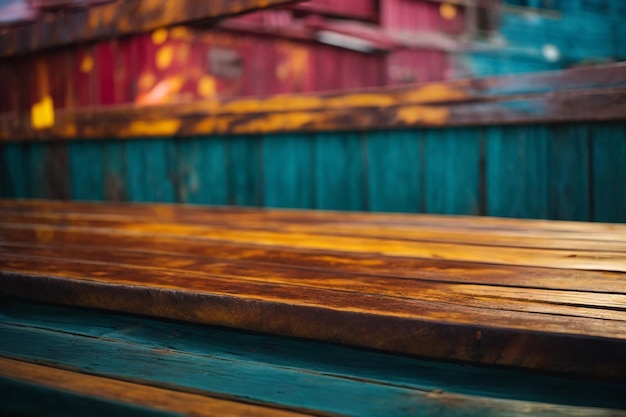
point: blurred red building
(306, 47)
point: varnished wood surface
(526, 293)
(577, 95)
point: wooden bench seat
(519, 294)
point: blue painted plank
(25, 399)
(568, 160)
(35, 153)
(18, 175)
(394, 165)
(609, 172)
(114, 170)
(452, 171)
(201, 171)
(150, 170)
(245, 186)
(517, 171)
(339, 171)
(288, 179)
(86, 167)
(277, 370)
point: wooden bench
(150, 309)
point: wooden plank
(516, 171)
(194, 214)
(430, 297)
(359, 264)
(59, 392)
(85, 170)
(455, 103)
(589, 241)
(245, 187)
(569, 171)
(339, 171)
(118, 19)
(288, 179)
(286, 372)
(609, 178)
(394, 171)
(452, 171)
(590, 304)
(149, 167)
(201, 171)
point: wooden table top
(535, 294)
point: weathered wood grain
(118, 19)
(454, 103)
(61, 384)
(352, 278)
(283, 372)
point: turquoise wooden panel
(86, 167)
(245, 171)
(150, 166)
(55, 170)
(517, 171)
(114, 170)
(394, 167)
(15, 166)
(288, 176)
(568, 161)
(452, 171)
(24, 399)
(277, 370)
(201, 171)
(339, 171)
(609, 172)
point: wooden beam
(118, 19)
(591, 94)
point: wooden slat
(63, 383)
(338, 277)
(281, 372)
(118, 19)
(453, 103)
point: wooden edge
(118, 19)
(364, 111)
(476, 344)
(107, 389)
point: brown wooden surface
(528, 293)
(117, 19)
(587, 94)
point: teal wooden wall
(573, 171)
(583, 31)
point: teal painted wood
(150, 167)
(288, 176)
(201, 171)
(277, 370)
(14, 163)
(55, 171)
(339, 171)
(25, 399)
(516, 171)
(569, 170)
(583, 31)
(245, 174)
(452, 171)
(86, 170)
(609, 172)
(114, 170)
(394, 169)
(35, 165)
